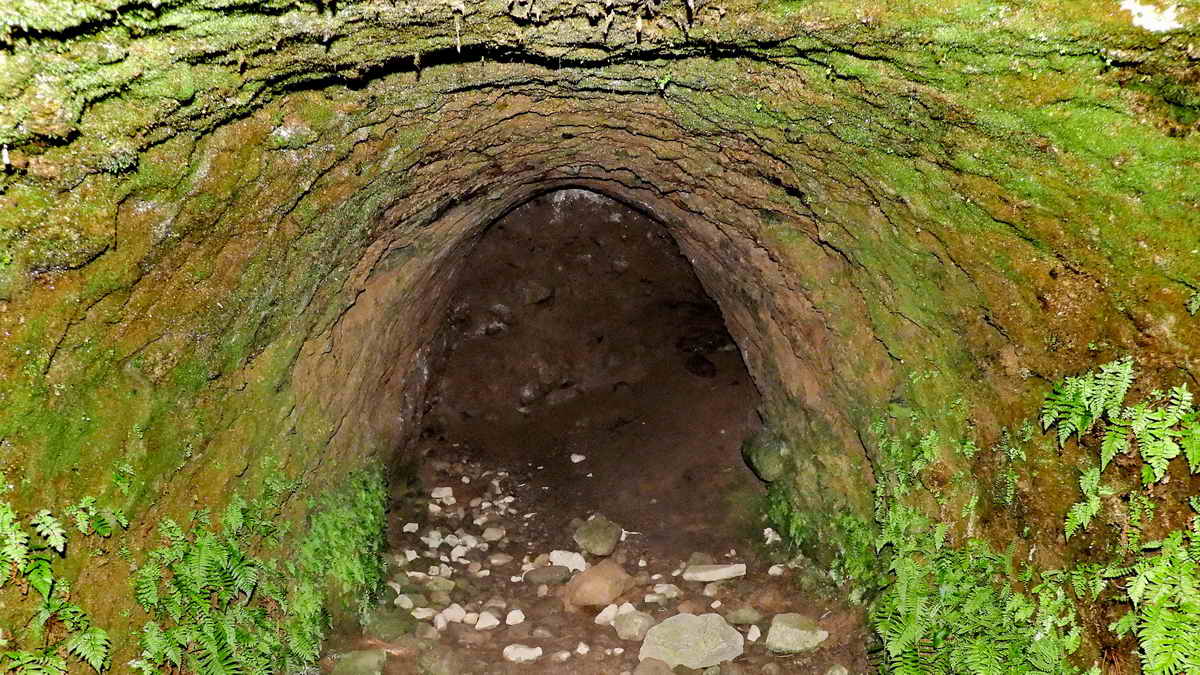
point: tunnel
(557, 336)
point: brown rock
(598, 585)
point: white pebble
(409, 528)
(422, 613)
(775, 570)
(569, 559)
(606, 615)
(522, 653)
(514, 617)
(753, 634)
(486, 621)
(715, 604)
(454, 613)
(582, 648)
(575, 459)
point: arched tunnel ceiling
(225, 208)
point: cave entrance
(582, 354)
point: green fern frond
(91, 646)
(50, 529)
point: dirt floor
(586, 372)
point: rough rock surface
(598, 585)
(598, 536)
(692, 641)
(791, 633)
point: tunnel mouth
(577, 329)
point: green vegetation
(216, 605)
(1160, 580)
(944, 612)
(62, 630)
(217, 608)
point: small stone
(423, 613)
(743, 616)
(543, 590)
(606, 615)
(633, 625)
(693, 641)
(714, 572)
(514, 617)
(712, 589)
(409, 528)
(550, 574)
(487, 621)
(561, 656)
(669, 591)
(493, 534)
(454, 613)
(837, 669)
(599, 585)
(499, 559)
(576, 458)
(582, 648)
(569, 559)
(518, 653)
(792, 633)
(598, 536)
(753, 634)
(404, 602)
(775, 570)
(471, 618)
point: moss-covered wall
(227, 228)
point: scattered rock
(514, 617)
(599, 585)
(598, 536)
(518, 653)
(549, 574)
(753, 634)
(606, 615)
(487, 621)
(633, 625)
(693, 641)
(714, 572)
(791, 633)
(743, 616)
(493, 534)
(569, 559)
(364, 662)
(388, 624)
(837, 669)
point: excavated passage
(578, 330)
(581, 448)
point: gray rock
(837, 669)
(693, 641)
(768, 455)
(743, 616)
(441, 660)
(791, 633)
(364, 662)
(714, 572)
(548, 574)
(598, 536)
(633, 625)
(388, 625)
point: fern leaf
(145, 584)
(91, 646)
(50, 529)
(1190, 440)
(1116, 441)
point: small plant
(1193, 303)
(1080, 514)
(64, 630)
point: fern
(50, 529)
(1193, 303)
(92, 647)
(1081, 514)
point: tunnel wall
(226, 236)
